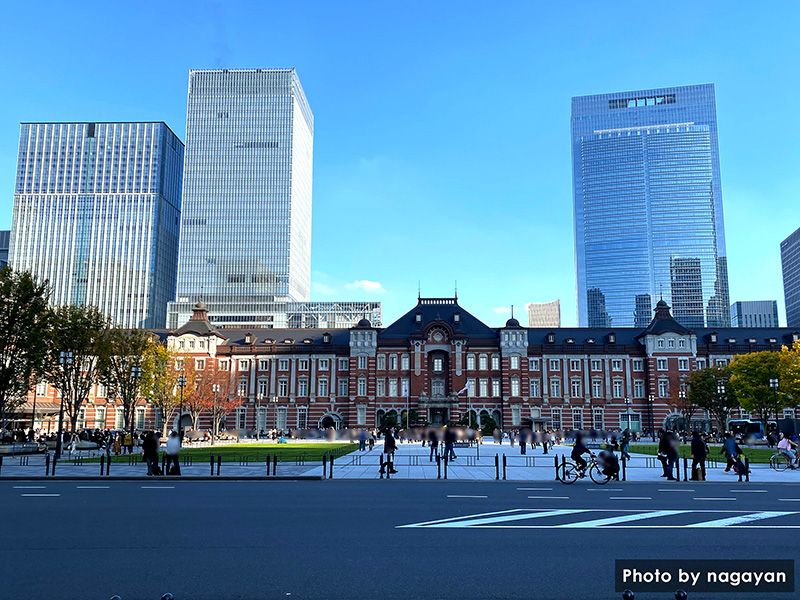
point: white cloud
(323, 288)
(502, 310)
(372, 287)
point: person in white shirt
(173, 448)
(786, 445)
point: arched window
(362, 386)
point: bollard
(324, 464)
(1, 462)
(555, 464)
(211, 460)
(497, 467)
(331, 467)
(685, 469)
(624, 463)
(102, 464)
(746, 478)
(627, 595)
(47, 464)
(108, 466)
(383, 465)
(438, 467)
(388, 466)
(678, 469)
(274, 465)
(446, 462)
(681, 595)
(219, 463)
(504, 467)
(53, 468)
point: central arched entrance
(330, 419)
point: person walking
(699, 454)
(523, 441)
(150, 453)
(389, 448)
(371, 441)
(663, 442)
(729, 450)
(449, 443)
(624, 446)
(362, 440)
(433, 442)
(173, 449)
(671, 446)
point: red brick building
(566, 378)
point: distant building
(97, 210)
(790, 262)
(544, 314)
(5, 239)
(755, 313)
(647, 201)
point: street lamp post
(650, 400)
(214, 427)
(259, 398)
(720, 394)
(773, 384)
(181, 385)
(628, 413)
(274, 401)
(33, 412)
(65, 360)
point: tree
(217, 389)
(681, 402)
(120, 367)
(710, 390)
(196, 391)
(78, 334)
(404, 423)
(25, 344)
(750, 377)
(160, 380)
(789, 373)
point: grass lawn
(756, 455)
(255, 453)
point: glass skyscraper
(790, 264)
(648, 207)
(97, 213)
(245, 246)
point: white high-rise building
(96, 212)
(245, 247)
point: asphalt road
(374, 539)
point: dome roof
(364, 323)
(512, 322)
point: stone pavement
(411, 462)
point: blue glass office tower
(97, 213)
(648, 207)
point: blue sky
(442, 146)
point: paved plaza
(412, 461)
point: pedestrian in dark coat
(150, 453)
(699, 454)
(389, 447)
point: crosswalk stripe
(738, 519)
(623, 518)
(449, 519)
(517, 517)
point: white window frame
(597, 388)
(514, 362)
(597, 364)
(343, 387)
(323, 387)
(495, 362)
(283, 364)
(616, 364)
(362, 385)
(617, 388)
(534, 364)
(535, 388)
(683, 364)
(362, 362)
(470, 362)
(324, 364)
(515, 387)
(495, 388)
(555, 387)
(554, 364)
(575, 388)
(662, 364)
(638, 364)
(575, 364)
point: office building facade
(246, 223)
(544, 314)
(97, 213)
(790, 264)
(648, 207)
(754, 313)
(5, 242)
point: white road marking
(714, 499)
(789, 499)
(603, 489)
(673, 490)
(534, 489)
(630, 498)
(749, 491)
(546, 497)
(39, 495)
(93, 487)
(456, 496)
(29, 487)
(623, 519)
(426, 523)
(517, 517)
(158, 487)
(739, 519)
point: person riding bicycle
(786, 446)
(578, 450)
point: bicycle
(780, 461)
(569, 472)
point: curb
(164, 478)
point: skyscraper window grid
(648, 208)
